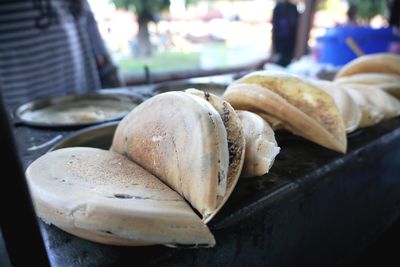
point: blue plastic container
(334, 50)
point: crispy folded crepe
(370, 113)
(274, 122)
(376, 105)
(371, 78)
(181, 138)
(261, 146)
(104, 197)
(301, 107)
(388, 82)
(390, 88)
(373, 63)
(235, 138)
(175, 149)
(348, 108)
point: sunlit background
(204, 34)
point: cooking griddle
(75, 110)
(316, 207)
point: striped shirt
(39, 60)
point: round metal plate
(213, 88)
(99, 136)
(45, 112)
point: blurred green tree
(146, 12)
(367, 9)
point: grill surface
(315, 207)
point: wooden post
(304, 26)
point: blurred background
(55, 47)
(167, 36)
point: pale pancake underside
(388, 82)
(261, 146)
(376, 104)
(104, 197)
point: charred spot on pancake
(207, 96)
(232, 151)
(123, 196)
(106, 232)
(225, 112)
(126, 153)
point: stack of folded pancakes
(176, 158)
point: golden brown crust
(349, 110)
(301, 107)
(380, 62)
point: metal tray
(98, 136)
(310, 193)
(213, 88)
(99, 106)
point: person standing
(351, 15)
(284, 29)
(45, 50)
(108, 71)
(394, 19)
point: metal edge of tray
(214, 88)
(98, 136)
(36, 104)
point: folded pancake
(391, 88)
(372, 63)
(273, 122)
(302, 108)
(181, 139)
(350, 111)
(376, 104)
(261, 146)
(371, 78)
(388, 82)
(104, 197)
(370, 113)
(235, 138)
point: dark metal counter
(315, 208)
